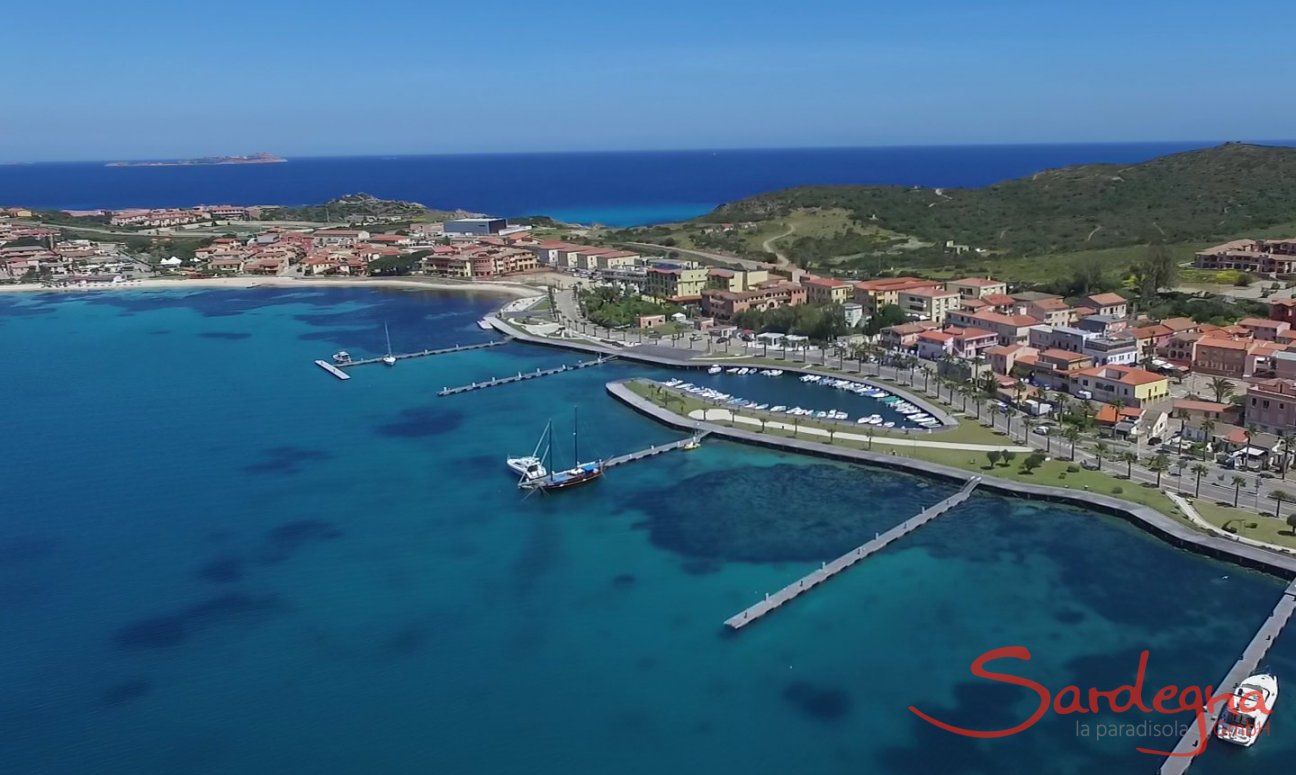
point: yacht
(341, 357)
(579, 473)
(1244, 715)
(529, 468)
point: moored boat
(1248, 709)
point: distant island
(204, 161)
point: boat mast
(575, 436)
(387, 334)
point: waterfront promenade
(830, 569)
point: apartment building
(1132, 386)
(1258, 256)
(932, 304)
(724, 305)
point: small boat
(779, 408)
(1247, 710)
(714, 370)
(692, 444)
(341, 357)
(529, 467)
(484, 324)
(388, 359)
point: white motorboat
(714, 370)
(1247, 710)
(341, 357)
(530, 468)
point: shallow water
(216, 558)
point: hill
(356, 208)
(1198, 195)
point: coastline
(238, 283)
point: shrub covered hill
(1197, 195)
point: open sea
(215, 558)
(616, 189)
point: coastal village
(1195, 391)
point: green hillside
(1186, 197)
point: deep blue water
(624, 188)
(214, 558)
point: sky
(140, 80)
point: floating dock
(522, 377)
(459, 348)
(830, 569)
(1242, 669)
(331, 369)
(651, 451)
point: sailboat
(388, 359)
(579, 473)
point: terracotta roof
(1190, 405)
(980, 282)
(1105, 299)
(1123, 374)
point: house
(1112, 304)
(873, 295)
(1265, 329)
(1194, 414)
(675, 282)
(724, 305)
(1132, 423)
(1004, 357)
(1257, 256)
(1147, 339)
(345, 238)
(928, 303)
(738, 280)
(1271, 405)
(965, 343)
(1223, 357)
(1052, 311)
(1010, 329)
(827, 290)
(976, 287)
(905, 335)
(1129, 385)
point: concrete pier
(651, 451)
(830, 569)
(331, 369)
(459, 348)
(522, 377)
(1241, 670)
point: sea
(613, 188)
(217, 558)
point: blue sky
(131, 79)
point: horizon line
(731, 149)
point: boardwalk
(830, 569)
(522, 377)
(1244, 667)
(651, 451)
(459, 348)
(331, 369)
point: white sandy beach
(511, 289)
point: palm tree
(1129, 459)
(1072, 434)
(1237, 488)
(1159, 464)
(1278, 497)
(1247, 432)
(1099, 451)
(1222, 388)
(1180, 465)
(1200, 470)
(978, 402)
(1182, 414)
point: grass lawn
(1247, 523)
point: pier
(459, 348)
(331, 369)
(656, 449)
(522, 377)
(830, 569)
(1241, 670)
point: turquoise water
(214, 558)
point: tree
(1237, 488)
(1129, 459)
(888, 315)
(993, 457)
(1100, 450)
(1007, 456)
(1291, 523)
(1032, 461)
(1222, 388)
(1200, 470)
(1279, 497)
(1159, 464)
(1072, 434)
(1156, 270)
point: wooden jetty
(459, 348)
(830, 569)
(523, 376)
(331, 369)
(651, 451)
(1241, 670)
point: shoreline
(240, 283)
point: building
(475, 227)
(676, 283)
(1257, 256)
(932, 304)
(736, 280)
(854, 313)
(977, 287)
(873, 295)
(827, 290)
(724, 305)
(345, 238)
(1265, 329)
(1110, 304)
(1052, 311)
(905, 335)
(1004, 357)
(1271, 405)
(965, 343)
(1129, 385)
(1222, 357)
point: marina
(523, 376)
(830, 569)
(1183, 757)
